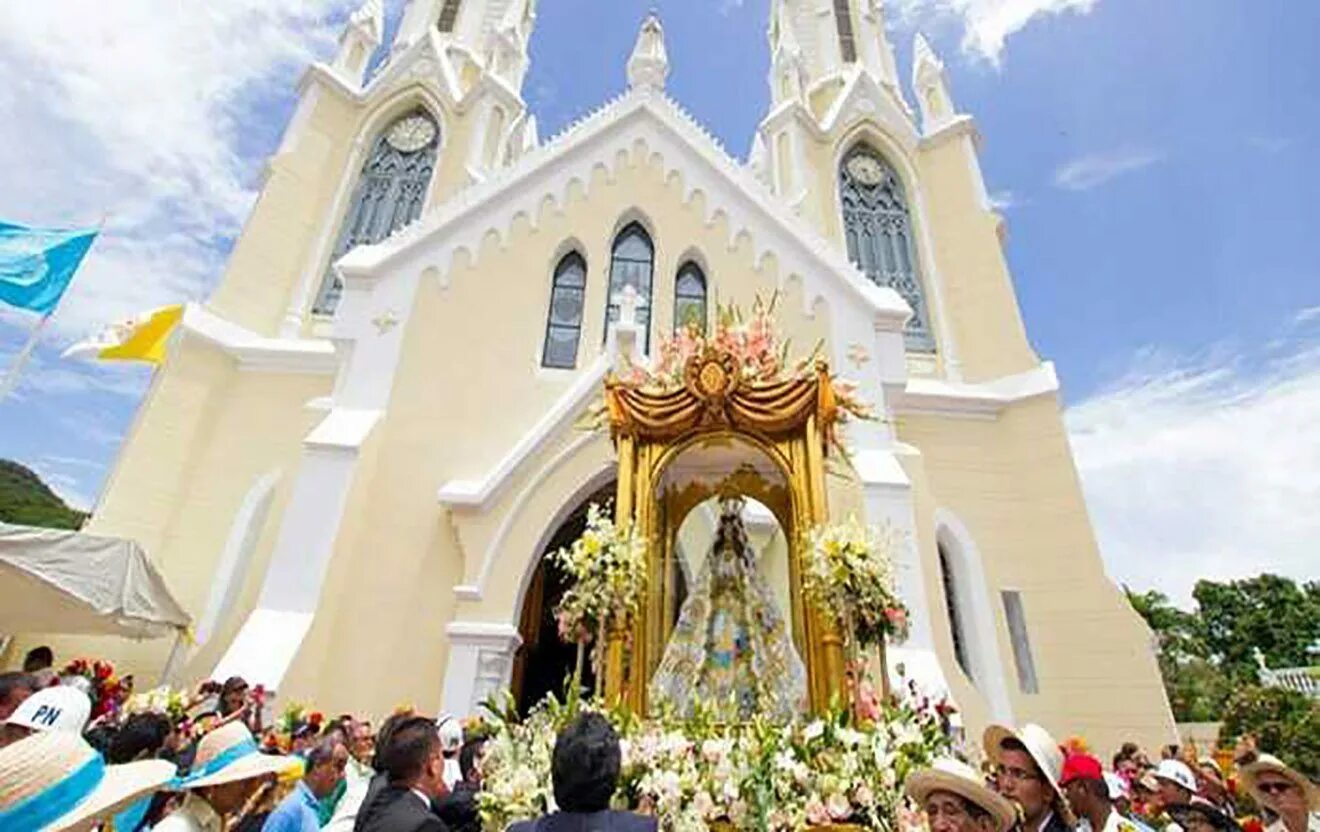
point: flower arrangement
(759, 354)
(848, 573)
(700, 774)
(607, 567)
(106, 689)
(162, 700)
(297, 722)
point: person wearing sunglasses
(1292, 796)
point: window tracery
(631, 264)
(390, 193)
(690, 297)
(563, 325)
(877, 230)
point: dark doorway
(543, 663)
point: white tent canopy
(54, 581)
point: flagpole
(25, 354)
(16, 369)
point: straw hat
(1269, 763)
(54, 780)
(956, 777)
(1040, 746)
(229, 753)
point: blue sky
(1153, 161)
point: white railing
(1301, 679)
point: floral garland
(848, 573)
(607, 567)
(701, 774)
(759, 354)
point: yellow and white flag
(140, 338)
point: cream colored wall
(1013, 484)
(205, 434)
(295, 222)
(468, 387)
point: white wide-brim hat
(54, 780)
(1269, 763)
(1040, 746)
(229, 753)
(956, 777)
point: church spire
(833, 36)
(931, 86)
(361, 38)
(648, 68)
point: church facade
(363, 444)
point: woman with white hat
(954, 799)
(226, 771)
(54, 780)
(1291, 795)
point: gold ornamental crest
(712, 376)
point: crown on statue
(731, 506)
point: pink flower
(816, 812)
(838, 807)
(864, 796)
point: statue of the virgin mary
(730, 648)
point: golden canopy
(787, 421)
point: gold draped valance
(713, 394)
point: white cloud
(145, 110)
(987, 24)
(1093, 170)
(1205, 468)
(1003, 200)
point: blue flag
(36, 264)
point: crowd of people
(208, 764)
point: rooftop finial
(649, 65)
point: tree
(27, 501)
(1204, 656)
(1267, 613)
(1284, 722)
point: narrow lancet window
(951, 606)
(690, 298)
(631, 264)
(843, 22)
(563, 325)
(448, 15)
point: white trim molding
(480, 663)
(975, 400)
(257, 353)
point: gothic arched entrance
(543, 662)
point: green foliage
(27, 501)
(1284, 722)
(1268, 613)
(1206, 655)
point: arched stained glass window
(390, 193)
(448, 15)
(631, 264)
(563, 324)
(690, 297)
(951, 606)
(877, 230)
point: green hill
(26, 500)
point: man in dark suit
(414, 774)
(585, 773)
